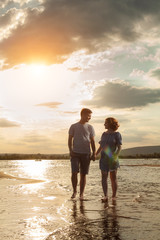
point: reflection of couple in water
(81, 137)
(85, 226)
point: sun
(37, 70)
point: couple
(81, 136)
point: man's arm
(99, 150)
(70, 141)
(93, 149)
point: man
(81, 136)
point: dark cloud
(12, 3)
(6, 123)
(6, 19)
(49, 104)
(3, 3)
(155, 73)
(119, 95)
(66, 26)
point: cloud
(67, 26)
(117, 95)
(9, 21)
(12, 3)
(49, 104)
(137, 73)
(155, 73)
(35, 138)
(54, 142)
(6, 19)
(6, 123)
(35, 142)
(101, 119)
(3, 3)
(70, 112)
(75, 69)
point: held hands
(93, 156)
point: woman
(110, 147)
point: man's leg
(74, 176)
(82, 184)
(113, 177)
(84, 166)
(74, 180)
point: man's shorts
(80, 161)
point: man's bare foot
(74, 195)
(104, 199)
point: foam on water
(26, 180)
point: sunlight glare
(34, 169)
(37, 70)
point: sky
(58, 56)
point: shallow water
(35, 202)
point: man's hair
(85, 111)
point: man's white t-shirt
(81, 134)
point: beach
(35, 202)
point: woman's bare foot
(114, 198)
(104, 199)
(74, 195)
(81, 197)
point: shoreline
(39, 156)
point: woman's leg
(113, 177)
(105, 184)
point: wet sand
(42, 209)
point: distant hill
(140, 150)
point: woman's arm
(117, 152)
(99, 150)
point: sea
(36, 204)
